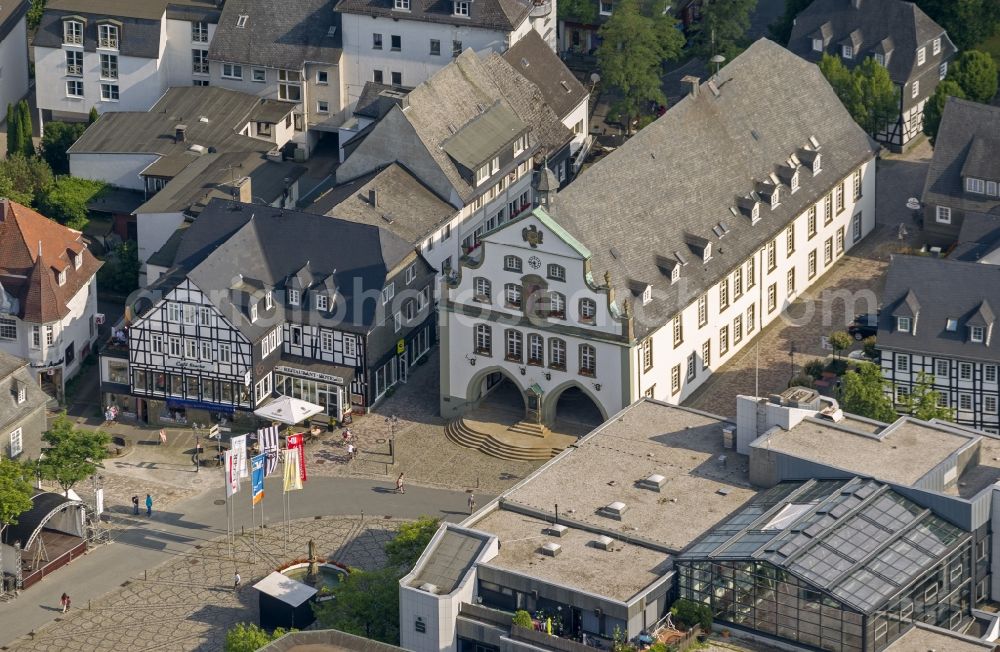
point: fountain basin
(330, 576)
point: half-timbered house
(260, 302)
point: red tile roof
(32, 249)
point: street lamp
(392, 421)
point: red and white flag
(232, 473)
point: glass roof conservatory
(832, 564)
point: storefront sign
(188, 364)
(400, 347)
(313, 375)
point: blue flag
(257, 477)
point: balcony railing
(74, 69)
(109, 43)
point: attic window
(461, 8)
(936, 46)
(21, 393)
(293, 297)
(793, 183)
(321, 302)
(268, 302)
(706, 254)
(848, 51)
(253, 313)
(951, 325)
(241, 21)
(61, 277)
(903, 324)
(977, 333)
(755, 212)
(647, 294)
(775, 199)
(77, 260)
(675, 274)
(403, 5)
(817, 45)
(880, 58)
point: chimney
(245, 190)
(693, 82)
(180, 132)
(373, 197)
(4, 207)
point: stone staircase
(461, 433)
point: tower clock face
(534, 262)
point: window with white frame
(50, 334)
(977, 186)
(322, 106)
(225, 352)
(817, 45)
(675, 379)
(557, 353)
(512, 263)
(388, 292)
(790, 287)
(74, 88)
(902, 392)
(556, 272)
(880, 58)
(903, 324)
(402, 5)
(915, 90)
(411, 273)
(921, 56)
(514, 345)
(258, 75)
(751, 317)
(706, 354)
(109, 92)
(293, 297)
(72, 32)
(990, 373)
(175, 348)
(724, 340)
(74, 62)
(253, 312)
(461, 8)
(536, 349)
(241, 21)
(607, 7)
(990, 404)
(397, 322)
(326, 341)
(702, 310)
(942, 399)
(199, 32)
(965, 371)
(942, 70)
(350, 346)
(199, 62)
(232, 71)
(322, 302)
(483, 289)
(16, 443)
(557, 305)
(588, 310)
(22, 391)
(107, 36)
(943, 215)
(936, 45)
(965, 402)
(848, 51)
(977, 333)
(941, 368)
(191, 349)
(8, 328)
(902, 362)
(206, 350)
(588, 360)
(512, 295)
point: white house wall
(178, 57)
(120, 170)
(14, 62)
(153, 230)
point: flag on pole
(257, 477)
(297, 441)
(239, 447)
(232, 474)
(268, 438)
(292, 480)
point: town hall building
(662, 261)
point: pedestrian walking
(149, 505)
(472, 502)
(351, 452)
(64, 601)
(135, 505)
(399, 485)
(236, 581)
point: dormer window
(241, 20)
(482, 174)
(775, 197)
(61, 277)
(461, 8)
(903, 324)
(977, 333)
(977, 186)
(793, 183)
(322, 302)
(107, 36)
(22, 393)
(675, 274)
(921, 56)
(817, 45)
(936, 45)
(77, 260)
(817, 164)
(253, 312)
(495, 165)
(402, 5)
(848, 51)
(607, 7)
(755, 212)
(268, 301)
(73, 32)
(706, 254)
(647, 294)
(520, 144)
(880, 58)
(293, 297)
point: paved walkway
(141, 545)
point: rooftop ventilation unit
(654, 482)
(429, 588)
(615, 510)
(551, 549)
(197, 149)
(556, 530)
(604, 543)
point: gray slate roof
(376, 99)
(978, 239)
(153, 131)
(502, 15)
(534, 59)
(268, 245)
(895, 26)
(962, 124)
(945, 289)
(14, 370)
(405, 206)
(277, 34)
(10, 14)
(684, 173)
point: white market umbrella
(288, 410)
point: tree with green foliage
(934, 108)
(73, 453)
(864, 392)
(411, 538)
(632, 54)
(24, 179)
(523, 619)
(976, 73)
(34, 16)
(66, 200)
(93, 115)
(867, 91)
(922, 401)
(15, 494)
(723, 28)
(56, 140)
(840, 341)
(968, 22)
(27, 144)
(691, 613)
(13, 129)
(248, 637)
(366, 603)
(583, 12)
(781, 29)
(120, 272)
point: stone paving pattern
(858, 274)
(189, 603)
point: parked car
(863, 326)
